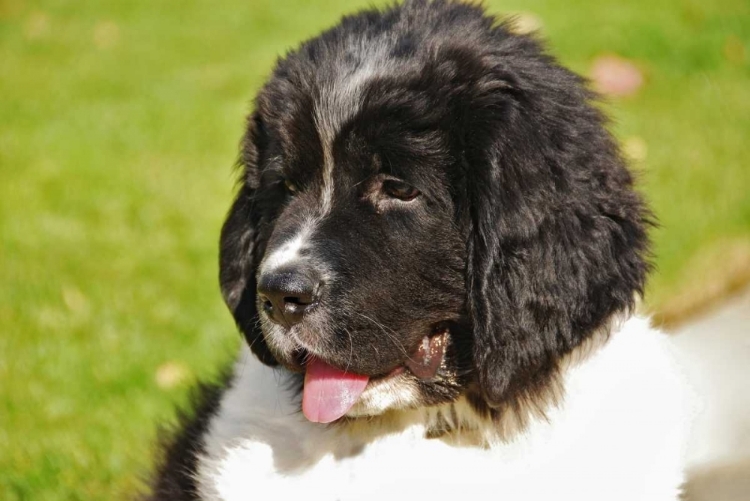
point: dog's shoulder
(626, 414)
(620, 427)
(182, 446)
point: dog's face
(443, 215)
(363, 260)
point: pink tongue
(329, 392)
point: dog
(434, 256)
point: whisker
(351, 350)
(390, 336)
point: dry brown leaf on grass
(615, 76)
(734, 50)
(37, 26)
(171, 374)
(635, 148)
(106, 35)
(525, 23)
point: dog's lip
(301, 355)
(428, 357)
(424, 362)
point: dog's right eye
(290, 186)
(400, 190)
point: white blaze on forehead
(340, 98)
(289, 251)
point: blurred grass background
(119, 124)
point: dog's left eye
(400, 190)
(290, 186)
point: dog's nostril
(298, 300)
(265, 302)
(287, 295)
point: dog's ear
(241, 244)
(557, 235)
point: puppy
(433, 256)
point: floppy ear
(240, 247)
(558, 240)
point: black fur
(526, 238)
(174, 479)
(528, 229)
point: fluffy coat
(422, 177)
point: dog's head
(431, 203)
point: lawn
(119, 124)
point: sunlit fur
(526, 243)
(617, 436)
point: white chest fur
(618, 435)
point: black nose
(286, 295)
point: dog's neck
(469, 420)
(459, 423)
(260, 411)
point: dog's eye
(290, 186)
(400, 190)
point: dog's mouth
(330, 392)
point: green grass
(119, 124)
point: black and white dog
(434, 256)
